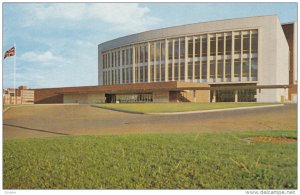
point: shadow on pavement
(39, 130)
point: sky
(56, 43)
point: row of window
(227, 43)
(217, 70)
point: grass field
(206, 160)
(177, 107)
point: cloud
(120, 16)
(43, 57)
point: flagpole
(15, 72)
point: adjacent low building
(22, 95)
(238, 60)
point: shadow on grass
(116, 109)
(39, 130)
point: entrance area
(243, 95)
(129, 98)
(110, 98)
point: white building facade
(234, 53)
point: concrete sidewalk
(215, 110)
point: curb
(119, 110)
(215, 110)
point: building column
(241, 59)
(133, 64)
(154, 62)
(186, 56)
(232, 56)
(119, 57)
(173, 59)
(224, 59)
(166, 60)
(149, 61)
(193, 72)
(200, 59)
(235, 95)
(208, 58)
(250, 54)
(214, 96)
(216, 61)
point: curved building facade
(237, 52)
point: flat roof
(158, 86)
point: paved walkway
(52, 120)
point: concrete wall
(88, 98)
(273, 61)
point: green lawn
(206, 160)
(177, 107)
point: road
(61, 120)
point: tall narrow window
(123, 57)
(254, 68)
(130, 52)
(182, 48)
(109, 65)
(182, 71)
(131, 75)
(119, 58)
(197, 47)
(123, 75)
(212, 69)
(204, 47)
(129, 56)
(176, 76)
(237, 68)
(103, 61)
(157, 72)
(212, 46)
(246, 43)
(136, 55)
(112, 59)
(254, 42)
(228, 68)
(170, 48)
(245, 67)
(152, 73)
(204, 70)
(158, 52)
(162, 54)
(142, 54)
(220, 68)
(151, 52)
(146, 53)
(228, 44)
(197, 70)
(220, 45)
(190, 48)
(176, 54)
(141, 74)
(162, 70)
(146, 73)
(170, 71)
(190, 70)
(237, 44)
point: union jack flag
(10, 52)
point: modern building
(237, 60)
